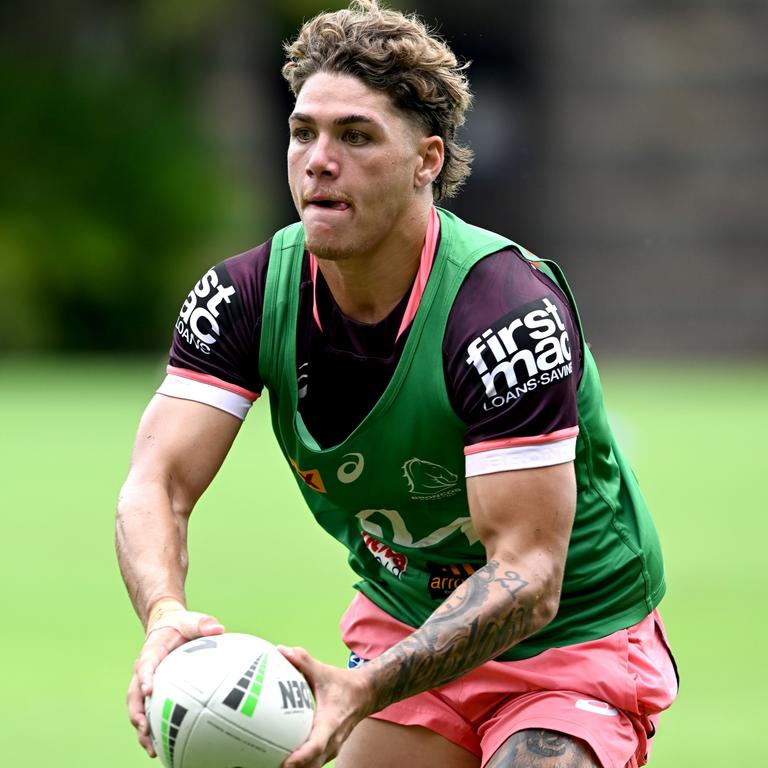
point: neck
(367, 287)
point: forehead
(331, 96)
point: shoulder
(248, 270)
(227, 292)
(508, 274)
(506, 295)
(512, 353)
(214, 352)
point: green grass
(695, 435)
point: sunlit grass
(695, 436)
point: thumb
(208, 625)
(189, 624)
(300, 659)
(193, 624)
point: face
(357, 166)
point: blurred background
(144, 141)
(626, 139)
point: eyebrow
(345, 120)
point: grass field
(69, 636)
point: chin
(329, 250)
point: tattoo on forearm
(481, 619)
(512, 582)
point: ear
(431, 157)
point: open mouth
(333, 205)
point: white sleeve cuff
(520, 457)
(209, 394)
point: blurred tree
(142, 142)
(107, 188)
(111, 183)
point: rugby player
(433, 394)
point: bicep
(180, 445)
(525, 516)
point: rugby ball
(228, 701)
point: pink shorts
(607, 692)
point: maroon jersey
(343, 366)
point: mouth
(327, 203)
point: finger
(145, 671)
(299, 657)
(146, 742)
(304, 757)
(208, 625)
(321, 746)
(137, 716)
(193, 624)
(158, 645)
(316, 751)
(135, 702)
(145, 680)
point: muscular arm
(179, 447)
(524, 519)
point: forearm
(151, 543)
(491, 611)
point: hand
(167, 629)
(342, 699)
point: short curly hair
(396, 53)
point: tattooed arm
(524, 520)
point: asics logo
(350, 470)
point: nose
(321, 160)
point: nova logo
(244, 696)
(394, 562)
(198, 322)
(530, 351)
(173, 714)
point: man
(507, 619)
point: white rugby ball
(228, 701)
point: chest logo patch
(311, 477)
(443, 579)
(428, 481)
(350, 470)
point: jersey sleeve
(512, 359)
(215, 349)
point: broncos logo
(426, 478)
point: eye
(355, 137)
(301, 134)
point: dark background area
(626, 139)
